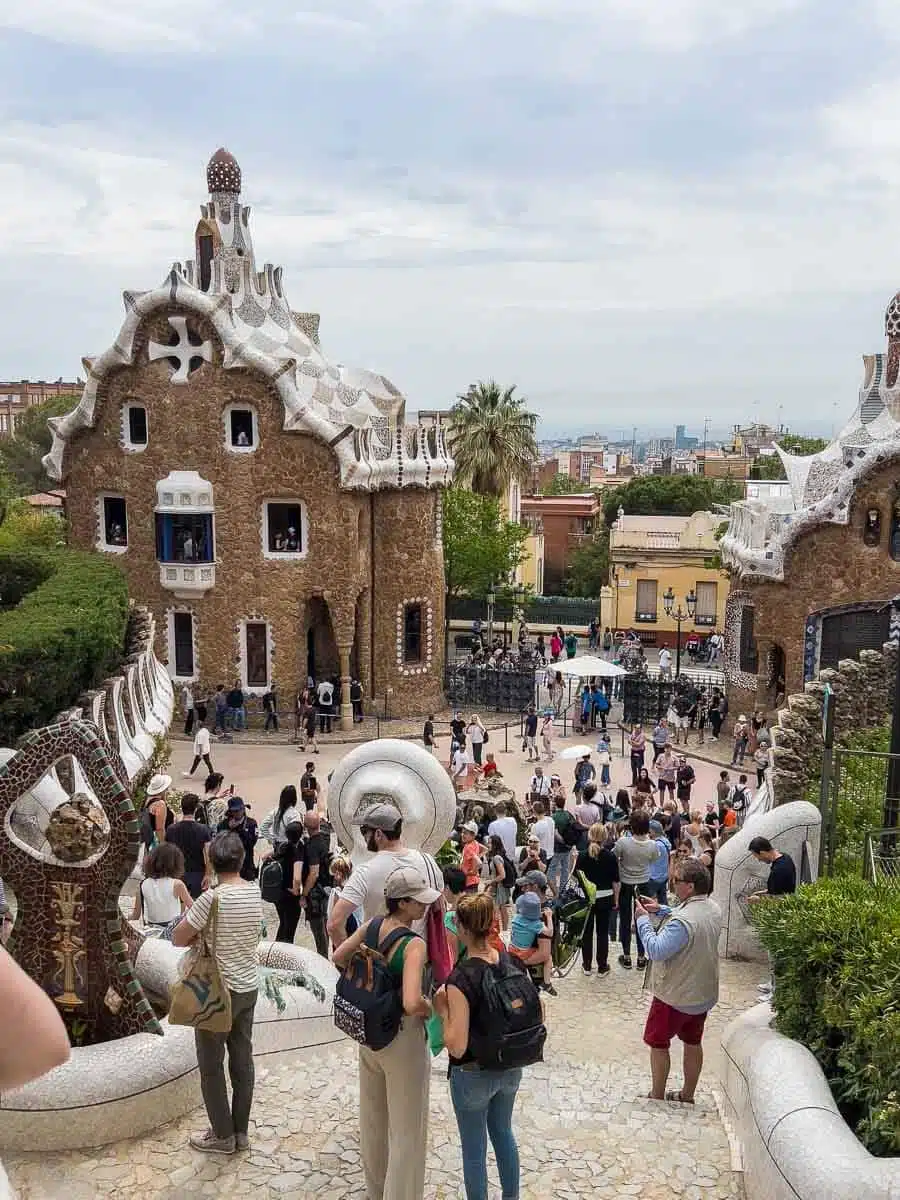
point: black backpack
(510, 875)
(572, 832)
(368, 1001)
(271, 881)
(506, 1026)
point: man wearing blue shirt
(683, 975)
(658, 886)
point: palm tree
(492, 434)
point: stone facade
(828, 571)
(863, 699)
(328, 441)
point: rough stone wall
(409, 567)
(187, 432)
(827, 568)
(863, 694)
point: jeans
(657, 889)
(320, 937)
(196, 763)
(220, 720)
(597, 915)
(271, 722)
(627, 893)
(476, 752)
(227, 1121)
(188, 722)
(483, 1102)
(637, 761)
(288, 908)
(559, 867)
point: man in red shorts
(683, 977)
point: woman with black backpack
(493, 1026)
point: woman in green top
(393, 1082)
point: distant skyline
(636, 213)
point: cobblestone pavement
(584, 1125)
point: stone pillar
(346, 705)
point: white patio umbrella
(587, 665)
(575, 751)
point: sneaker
(625, 961)
(185, 775)
(208, 1143)
(586, 970)
(241, 1141)
(641, 963)
(549, 989)
(603, 970)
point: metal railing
(882, 856)
(855, 837)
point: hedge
(835, 948)
(66, 635)
(21, 571)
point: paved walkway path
(584, 1125)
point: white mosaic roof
(823, 484)
(359, 413)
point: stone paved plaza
(584, 1124)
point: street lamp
(491, 599)
(678, 615)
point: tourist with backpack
(502, 878)
(379, 1003)
(280, 881)
(493, 1027)
(740, 799)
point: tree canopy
(479, 548)
(770, 466)
(563, 485)
(669, 495)
(588, 567)
(492, 434)
(22, 451)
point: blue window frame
(184, 537)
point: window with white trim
(645, 600)
(181, 645)
(241, 429)
(134, 426)
(707, 603)
(413, 628)
(113, 524)
(284, 529)
(256, 654)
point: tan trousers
(393, 1114)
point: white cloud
(202, 26)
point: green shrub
(65, 636)
(835, 949)
(860, 796)
(21, 571)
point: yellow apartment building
(649, 555)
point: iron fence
(646, 698)
(569, 611)
(478, 687)
(860, 823)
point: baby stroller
(569, 917)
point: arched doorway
(322, 660)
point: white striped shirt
(238, 922)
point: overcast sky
(639, 211)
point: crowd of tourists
(459, 946)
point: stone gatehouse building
(814, 574)
(272, 508)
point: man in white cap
(382, 828)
